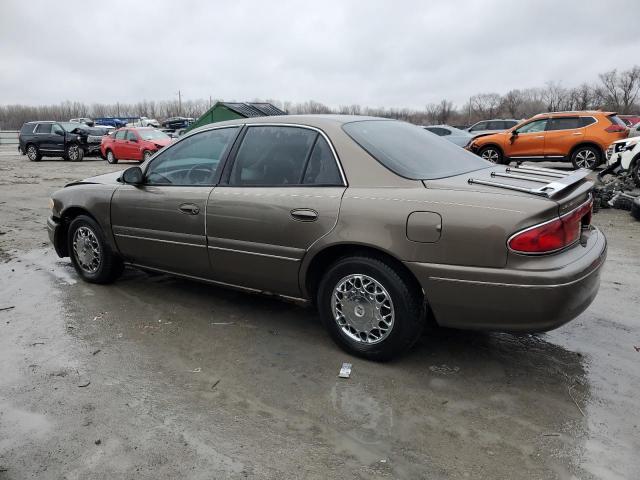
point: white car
(487, 127)
(624, 156)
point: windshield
(153, 135)
(411, 151)
(70, 127)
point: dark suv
(71, 141)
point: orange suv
(581, 137)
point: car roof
(311, 120)
(573, 113)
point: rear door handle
(189, 209)
(304, 214)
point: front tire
(146, 155)
(111, 158)
(74, 153)
(585, 157)
(33, 154)
(492, 154)
(369, 308)
(91, 255)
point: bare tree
(486, 105)
(619, 91)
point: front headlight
(51, 204)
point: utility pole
(179, 103)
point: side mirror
(514, 133)
(59, 132)
(133, 176)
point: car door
(131, 146)
(118, 145)
(161, 223)
(58, 135)
(528, 140)
(44, 137)
(561, 135)
(280, 194)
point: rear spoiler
(556, 181)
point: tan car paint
(467, 274)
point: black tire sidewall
(408, 314)
(110, 264)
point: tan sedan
(381, 224)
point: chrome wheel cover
(490, 154)
(86, 249)
(110, 156)
(73, 152)
(586, 159)
(363, 309)
(146, 156)
(32, 153)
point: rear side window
(412, 152)
(586, 121)
(272, 156)
(321, 169)
(563, 123)
(27, 128)
(496, 125)
(43, 128)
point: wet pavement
(157, 377)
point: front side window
(412, 152)
(479, 126)
(57, 129)
(192, 161)
(563, 123)
(533, 127)
(441, 132)
(271, 156)
(496, 125)
(43, 128)
(131, 135)
(120, 134)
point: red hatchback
(133, 144)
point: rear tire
(74, 152)
(111, 158)
(33, 154)
(492, 154)
(369, 308)
(586, 157)
(91, 255)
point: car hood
(106, 179)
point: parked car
(133, 144)
(71, 141)
(581, 137)
(175, 123)
(379, 223)
(459, 137)
(144, 122)
(630, 120)
(110, 121)
(85, 120)
(623, 157)
(486, 127)
(634, 131)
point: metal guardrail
(9, 137)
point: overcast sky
(377, 53)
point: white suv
(624, 156)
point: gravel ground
(155, 377)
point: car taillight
(553, 235)
(615, 129)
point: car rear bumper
(513, 300)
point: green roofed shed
(223, 111)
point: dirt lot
(155, 377)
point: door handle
(540, 136)
(304, 214)
(189, 209)
(577, 133)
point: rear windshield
(411, 151)
(616, 121)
